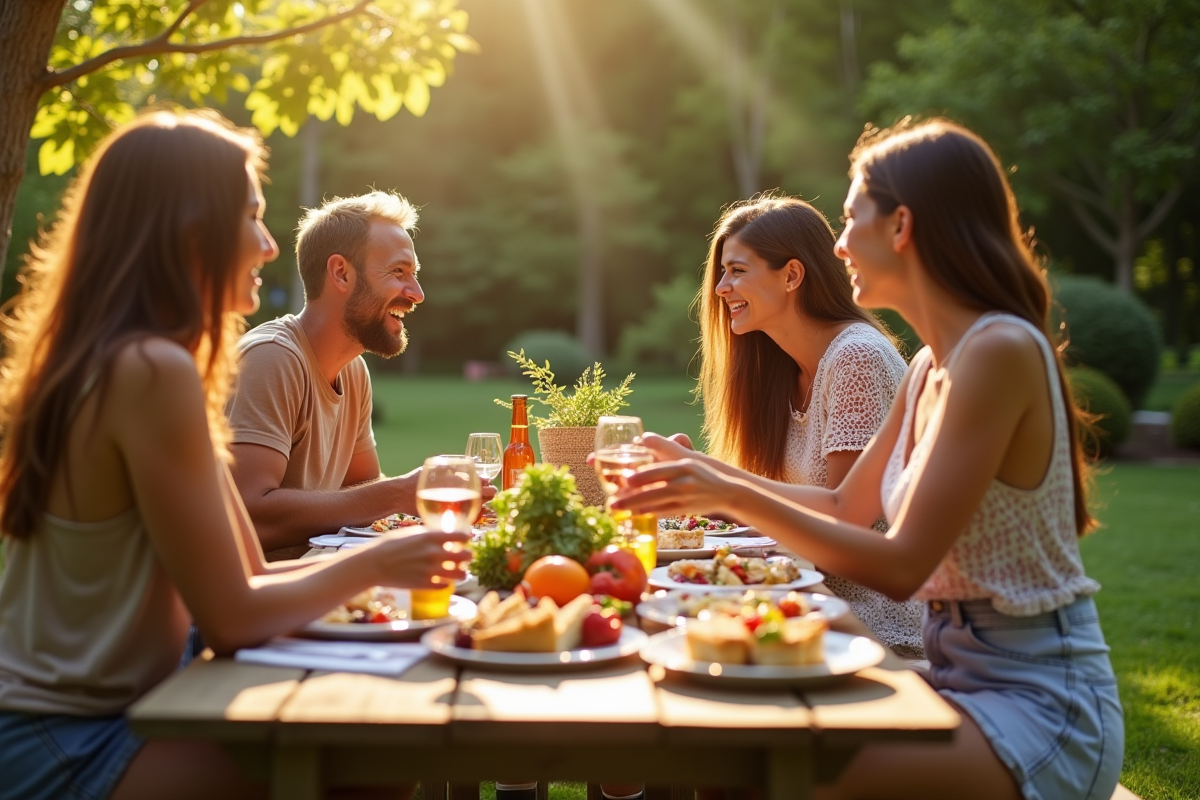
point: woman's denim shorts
(1040, 688)
(56, 757)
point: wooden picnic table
(624, 722)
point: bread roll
(721, 639)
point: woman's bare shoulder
(154, 369)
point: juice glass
(431, 603)
(638, 533)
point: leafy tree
(1098, 100)
(71, 72)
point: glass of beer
(448, 499)
(619, 453)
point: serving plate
(461, 610)
(844, 656)
(665, 609)
(659, 580)
(440, 641)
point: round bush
(564, 352)
(1111, 331)
(1185, 419)
(1098, 394)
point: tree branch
(158, 46)
(1161, 209)
(1092, 227)
(1077, 193)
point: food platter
(704, 524)
(659, 580)
(844, 656)
(665, 610)
(440, 641)
(461, 610)
(711, 543)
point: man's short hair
(342, 226)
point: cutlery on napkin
(375, 658)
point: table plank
(700, 714)
(216, 699)
(351, 708)
(592, 705)
(881, 704)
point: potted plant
(568, 433)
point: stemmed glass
(448, 493)
(488, 453)
(618, 454)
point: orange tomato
(557, 577)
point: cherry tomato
(790, 608)
(379, 616)
(752, 622)
(600, 629)
(514, 561)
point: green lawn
(1145, 557)
(1169, 387)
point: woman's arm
(155, 412)
(986, 399)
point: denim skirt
(1040, 688)
(60, 757)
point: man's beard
(364, 320)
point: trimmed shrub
(1098, 394)
(1111, 331)
(564, 352)
(1185, 419)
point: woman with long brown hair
(795, 377)
(978, 469)
(121, 524)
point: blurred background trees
(578, 162)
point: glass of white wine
(618, 454)
(448, 499)
(488, 453)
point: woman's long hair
(968, 233)
(747, 381)
(145, 245)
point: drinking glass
(448, 498)
(619, 453)
(488, 453)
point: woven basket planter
(570, 447)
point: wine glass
(486, 450)
(448, 493)
(619, 451)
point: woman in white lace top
(980, 472)
(795, 377)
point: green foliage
(557, 347)
(1185, 419)
(668, 333)
(1096, 393)
(380, 58)
(542, 515)
(584, 407)
(1110, 331)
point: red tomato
(790, 608)
(600, 629)
(617, 573)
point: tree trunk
(26, 32)
(1127, 241)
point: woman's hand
(424, 560)
(669, 488)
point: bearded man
(304, 456)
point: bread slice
(721, 639)
(680, 540)
(490, 613)
(800, 644)
(532, 631)
(568, 622)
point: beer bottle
(518, 455)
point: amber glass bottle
(518, 455)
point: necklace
(804, 402)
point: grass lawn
(1169, 387)
(1145, 557)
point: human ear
(339, 273)
(902, 228)
(794, 270)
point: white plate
(727, 532)
(441, 642)
(338, 540)
(749, 546)
(665, 610)
(844, 655)
(659, 580)
(461, 610)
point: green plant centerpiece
(566, 435)
(542, 515)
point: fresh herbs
(582, 409)
(542, 515)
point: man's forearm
(289, 517)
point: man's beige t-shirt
(281, 401)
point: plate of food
(514, 635)
(382, 614)
(727, 570)
(795, 652)
(681, 606)
(675, 545)
(704, 525)
(393, 522)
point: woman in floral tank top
(979, 471)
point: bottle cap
(520, 397)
